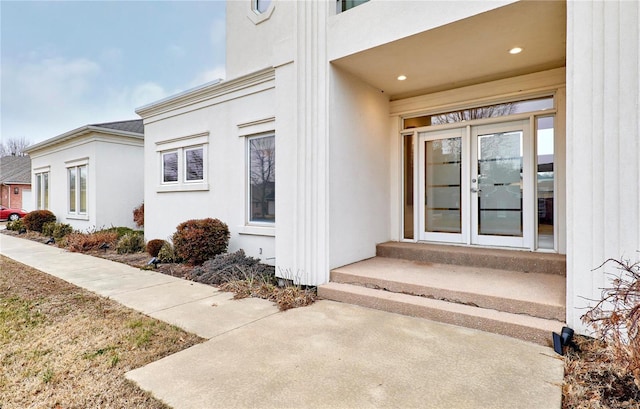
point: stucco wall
(603, 171)
(393, 20)
(224, 123)
(253, 43)
(112, 180)
(359, 169)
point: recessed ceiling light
(402, 77)
(515, 50)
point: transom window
(488, 111)
(262, 178)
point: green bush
(196, 241)
(15, 225)
(56, 230)
(130, 243)
(36, 219)
(167, 254)
(121, 231)
(154, 246)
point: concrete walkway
(329, 355)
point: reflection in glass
(443, 169)
(500, 184)
(262, 179)
(408, 186)
(545, 180)
(72, 190)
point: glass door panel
(442, 170)
(500, 184)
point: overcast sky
(69, 64)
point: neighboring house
(90, 177)
(411, 121)
(15, 182)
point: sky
(66, 64)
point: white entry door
(501, 185)
(475, 185)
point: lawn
(64, 347)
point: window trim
(255, 16)
(251, 225)
(77, 213)
(42, 195)
(181, 146)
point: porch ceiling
(469, 51)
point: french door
(476, 185)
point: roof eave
(80, 132)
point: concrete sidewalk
(329, 355)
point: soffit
(469, 51)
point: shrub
(130, 243)
(15, 225)
(167, 254)
(196, 241)
(56, 230)
(230, 267)
(154, 246)
(36, 219)
(81, 242)
(138, 216)
(616, 317)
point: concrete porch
(514, 293)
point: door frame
(468, 235)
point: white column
(603, 145)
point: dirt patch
(62, 346)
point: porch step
(514, 260)
(523, 305)
(523, 327)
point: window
(77, 179)
(262, 179)
(194, 164)
(42, 190)
(261, 6)
(170, 167)
(344, 5)
(183, 163)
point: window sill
(257, 230)
(195, 187)
(78, 216)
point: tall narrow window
(170, 167)
(194, 164)
(77, 193)
(72, 189)
(545, 181)
(407, 141)
(42, 190)
(262, 179)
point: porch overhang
(467, 52)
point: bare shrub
(81, 242)
(138, 215)
(228, 267)
(616, 317)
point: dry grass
(594, 379)
(64, 347)
(287, 297)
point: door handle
(474, 190)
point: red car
(11, 214)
